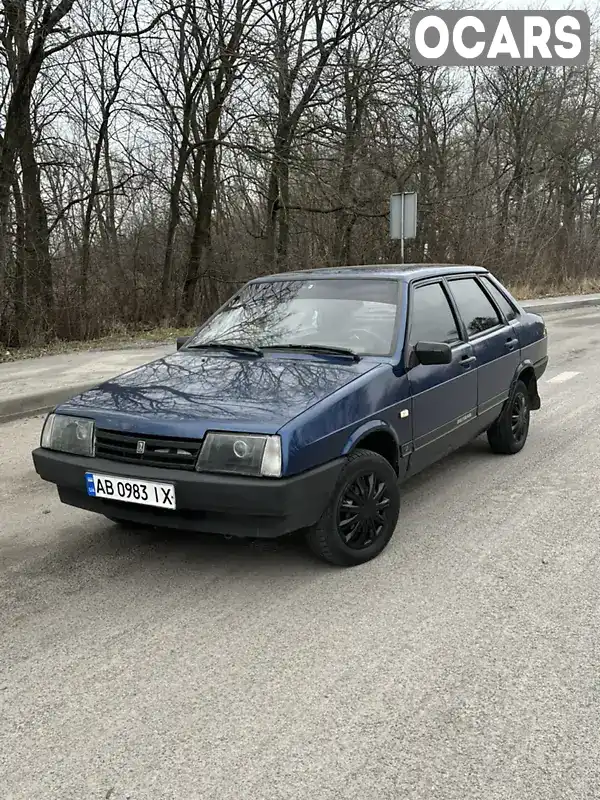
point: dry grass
(153, 337)
(529, 291)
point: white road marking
(562, 377)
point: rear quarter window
(500, 299)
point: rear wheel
(362, 514)
(509, 432)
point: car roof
(402, 272)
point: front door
(444, 396)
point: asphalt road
(463, 663)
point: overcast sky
(558, 5)
(591, 6)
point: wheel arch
(525, 372)
(379, 437)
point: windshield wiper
(232, 348)
(316, 348)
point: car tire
(508, 433)
(345, 538)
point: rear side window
(478, 313)
(432, 319)
(503, 303)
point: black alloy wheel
(363, 510)
(519, 417)
(361, 516)
(508, 433)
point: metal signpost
(403, 217)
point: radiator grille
(157, 452)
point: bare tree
(153, 158)
(25, 33)
(229, 25)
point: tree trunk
(277, 227)
(174, 219)
(283, 236)
(344, 219)
(201, 239)
(38, 266)
(272, 212)
(111, 215)
(87, 221)
(19, 299)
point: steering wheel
(357, 333)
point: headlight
(243, 454)
(69, 435)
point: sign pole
(402, 232)
(403, 218)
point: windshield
(353, 314)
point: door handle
(466, 361)
(510, 343)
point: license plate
(131, 490)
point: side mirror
(433, 353)
(181, 340)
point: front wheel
(362, 513)
(509, 432)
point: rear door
(494, 341)
(444, 395)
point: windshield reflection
(356, 314)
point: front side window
(432, 319)
(478, 313)
(354, 314)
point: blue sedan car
(303, 404)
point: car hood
(187, 393)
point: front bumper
(226, 504)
